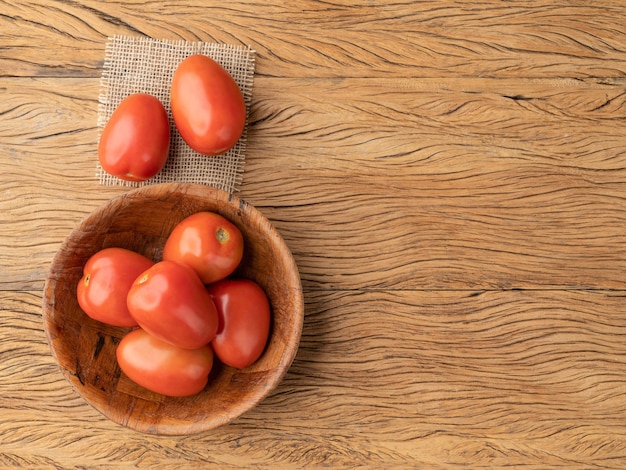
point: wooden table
(451, 178)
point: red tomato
(107, 277)
(244, 312)
(207, 105)
(170, 302)
(208, 242)
(135, 142)
(161, 367)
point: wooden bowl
(141, 220)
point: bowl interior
(141, 220)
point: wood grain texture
(380, 379)
(450, 177)
(333, 39)
(524, 190)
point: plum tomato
(170, 302)
(207, 105)
(135, 141)
(162, 367)
(244, 313)
(208, 242)
(107, 278)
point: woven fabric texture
(146, 65)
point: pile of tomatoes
(208, 110)
(184, 310)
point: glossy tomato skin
(244, 312)
(170, 302)
(135, 142)
(162, 367)
(207, 105)
(107, 278)
(207, 242)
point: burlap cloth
(146, 65)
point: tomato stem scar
(222, 235)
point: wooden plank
(47, 172)
(455, 184)
(445, 184)
(386, 378)
(320, 39)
